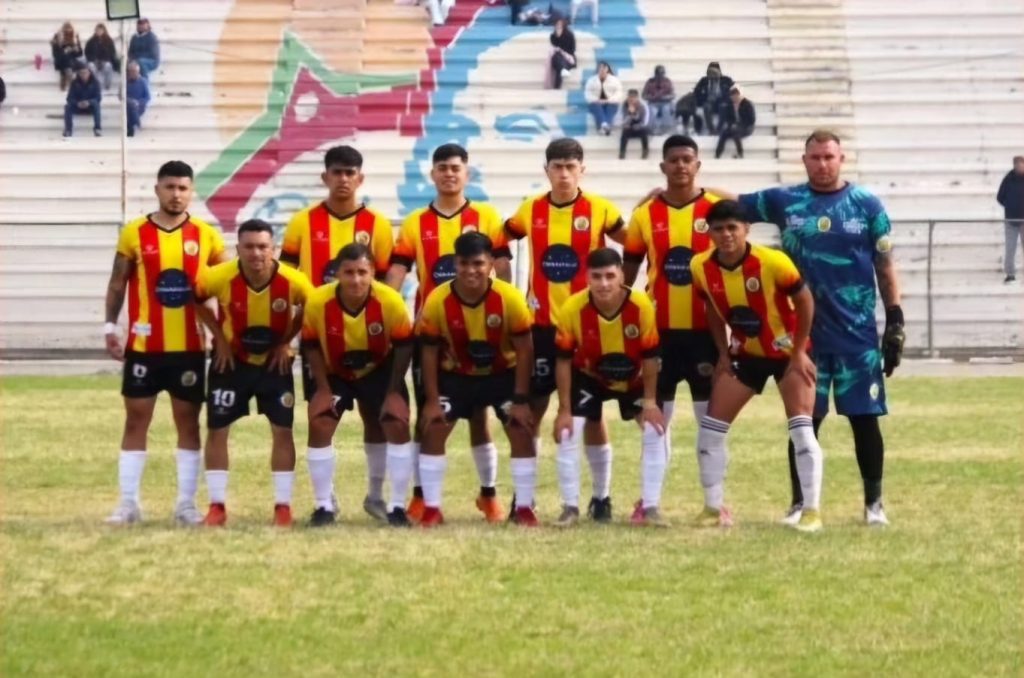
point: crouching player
(260, 313)
(759, 294)
(357, 340)
(477, 352)
(607, 342)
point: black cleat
(397, 518)
(321, 518)
(600, 510)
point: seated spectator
(563, 54)
(636, 124)
(101, 54)
(144, 48)
(603, 94)
(659, 96)
(67, 50)
(686, 108)
(84, 96)
(737, 121)
(137, 94)
(577, 5)
(711, 92)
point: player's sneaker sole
(216, 516)
(792, 516)
(127, 513)
(282, 515)
(874, 515)
(492, 509)
(187, 515)
(570, 517)
(810, 521)
(321, 517)
(376, 509)
(709, 517)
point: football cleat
(600, 510)
(322, 518)
(282, 515)
(637, 517)
(414, 511)
(397, 518)
(810, 521)
(709, 517)
(187, 515)
(570, 517)
(525, 517)
(650, 517)
(376, 509)
(491, 508)
(216, 516)
(874, 515)
(432, 517)
(126, 513)
(792, 516)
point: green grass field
(937, 594)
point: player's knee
(395, 432)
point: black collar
(345, 309)
(149, 217)
(618, 311)
(685, 204)
(448, 216)
(739, 263)
(252, 287)
(551, 199)
(343, 217)
(476, 303)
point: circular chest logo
(191, 248)
(676, 266)
(444, 269)
(494, 320)
(743, 320)
(356, 360)
(631, 331)
(362, 237)
(559, 263)
(279, 305)
(824, 224)
(481, 353)
(700, 225)
(374, 329)
(172, 288)
(581, 223)
(330, 272)
(189, 378)
(753, 284)
(258, 339)
(617, 367)
(288, 400)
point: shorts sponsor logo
(257, 339)
(824, 224)
(191, 248)
(288, 400)
(505, 407)
(189, 378)
(581, 223)
(795, 221)
(677, 266)
(533, 302)
(559, 263)
(874, 390)
(700, 225)
(631, 331)
(443, 270)
(374, 329)
(705, 369)
(494, 320)
(172, 288)
(753, 284)
(481, 354)
(363, 238)
(142, 329)
(139, 371)
(279, 305)
(884, 245)
(617, 367)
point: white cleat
(874, 515)
(187, 515)
(126, 513)
(793, 515)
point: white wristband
(109, 328)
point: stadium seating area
(929, 97)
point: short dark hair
(679, 141)
(174, 168)
(822, 136)
(473, 244)
(255, 226)
(565, 148)
(607, 65)
(353, 251)
(727, 210)
(346, 156)
(604, 257)
(448, 151)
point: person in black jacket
(66, 49)
(711, 93)
(1011, 197)
(101, 54)
(737, 121)
(563, 52)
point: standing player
(477, 353)
(357, 337)
(759, 294)
(158, 259)
(838, 234)
(312, 240)
(563, 226)
(427, 241)
(260, 313)
(608, 350)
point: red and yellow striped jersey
(669, 236)
(253, 319)
(609, 349)
(355, 342)
(315, 235)
(561, 237)
(165, 265)
(753, 298)
(427, 239)
(477, 338)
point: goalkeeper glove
(892, 339)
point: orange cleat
(432, 517)
(492, 509)
(525, 516)
(415, 510)
(217, 516)
(282, 515)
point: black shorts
(308, 383)
(588, 396)
(417, 375)
(368, 390)
(542, 381)
(463, 395)
(754, 372)
(229, 394)
(182, 374)
(686, 356)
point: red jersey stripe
(334, 323)
(319, 243)
(539, 244)
(662, 237)
(280, 288)
(149, 238)
(190, 233)
(716, 286)
(699, 242)
(430, 236)
(458, 331)
(756, 301)
(239, 311)
(581, 209)
(495, 306)
(377, 343)
(633, 345)
(590, 330)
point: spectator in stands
(659, 95)
(3, 91)
(603, 94)
(84, 96)
(67, 50)
(1011, 197)
(516, 8)
(711, 92)
(101, 54)
(145, 48)
(636, 124)
(137, 90)
(439, 10)
(738, 120)
(686, 108)
(563, 54)
(577, 5)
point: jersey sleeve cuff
(632, 257)
(794, 288)
(309, 343)
(404, 341)
(429, 339)
(514, 234)
(616, 226)
(564, 353)
(652, 352)
(401, 260)
(502, 252)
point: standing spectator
(737, 121)
(1011, 197)
(686, 108)
(563, 53)
(603, 94)
(577, 5)
(636, 124)
(145, 48)
(711, 92)
(84, 97)
(101, 54)
(67, 50)
(659, 96)
(137, 91)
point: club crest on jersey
(824, 224)
(191, 248)
(279, 305)
(700, 225)
(884, 245)
(494, 320)
(288, 400)
(363, 238)
(374, 329)
(631, 331)
(581, 223)
(189, 378)
(753, 285)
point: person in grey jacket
(636, 124)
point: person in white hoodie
(604, 96)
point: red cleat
(432, 517)
(282, 515)
(216, 516)
(492, 509)
(638, 513)
(525, 516)
(415, 510)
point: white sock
(217, 486)
(810, 462)
(712, 457)
(668, 408)
(416, 465)
(130, 465)
(486, 458)
(524, 479)
(283, 482)
(567, 460)
(700, 410)
(321, 473)
(432, 468)
(400, 462)
(189, 463)
(654, 459)
(600, 459)
(376, 467)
